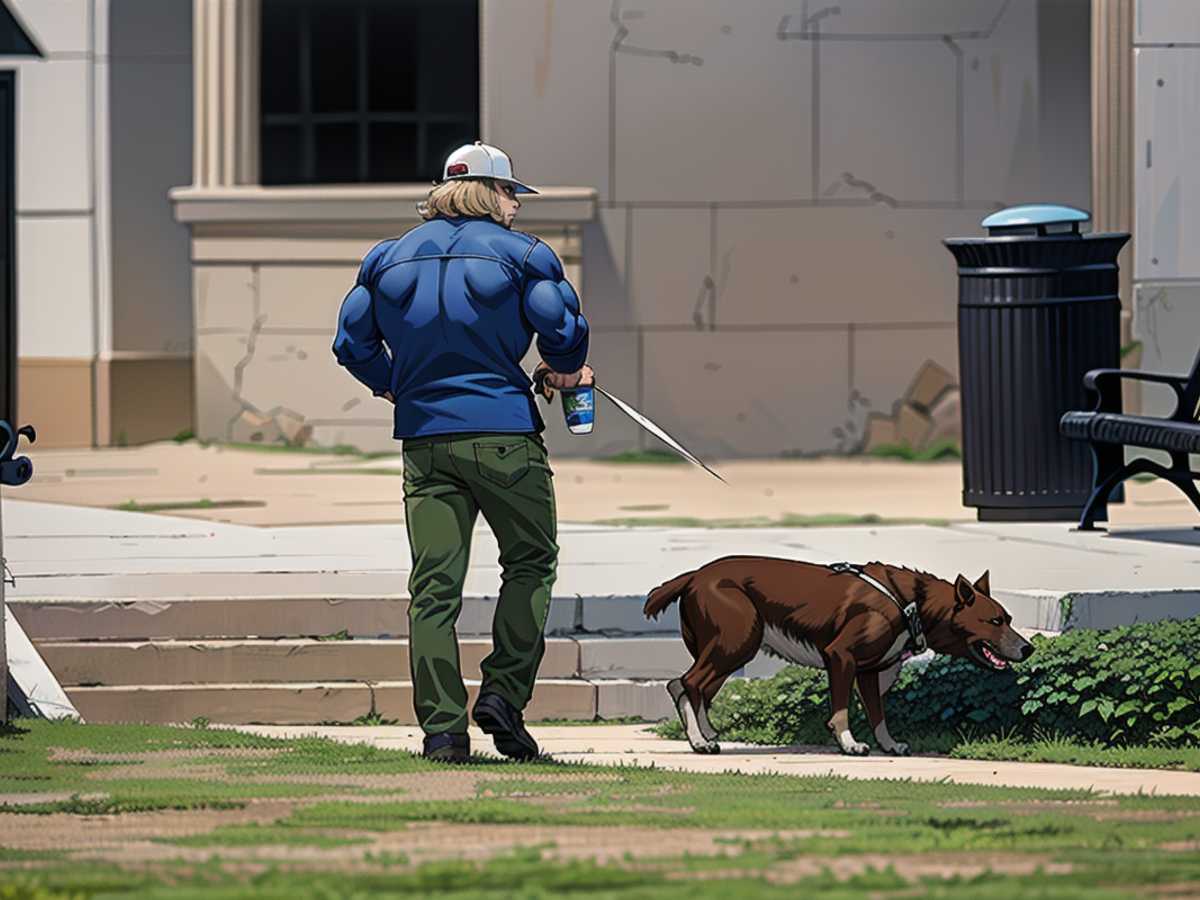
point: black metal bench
(1109, 431)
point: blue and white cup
(579, 408)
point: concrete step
(75, 619)
(315, 703)
(124, 663)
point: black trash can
(1038, 306)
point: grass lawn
(99, 810)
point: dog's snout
(1026, 650)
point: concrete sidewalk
(93, 555)
(157, 618)
(636, 745)
(282, 487)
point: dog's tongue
(993, 658)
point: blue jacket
(442, 317)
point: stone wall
(766, 269)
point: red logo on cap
(456, 169)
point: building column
(226, 34)
(1112, 129)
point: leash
(539, 381)
(916, 631)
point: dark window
(366, 90)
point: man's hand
(546, 380)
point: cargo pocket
(503, 464)
(418, 463)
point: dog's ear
(964, 593)
(983, 584)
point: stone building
(750, 197)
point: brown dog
(858, 624)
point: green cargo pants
(448, 481)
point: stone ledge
(366, 203)
(301, 704)
(125, 663)
(621, 698)
(77, 618)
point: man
(438, 323)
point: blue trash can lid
(1035, 214)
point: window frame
(361, 117)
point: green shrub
(1138, 684)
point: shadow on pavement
(1189, 537)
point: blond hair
(462, 197)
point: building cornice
(357, 203)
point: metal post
(3, 613)
(12, 472)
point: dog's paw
(898, 749)
(708, 748)
(856, 748)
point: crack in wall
(809, 34)
(1148, 317)
(239, 371)
(619, 45)
(873, 193)
(810, 31)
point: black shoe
(447, 747)
(503, 721)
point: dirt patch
(433, 785)
(422, 842)
(910, 868)
(1183, 889)
(876, 808)
(85, 757)
(127, 836)
(1028, 805)
(1146, 815)
(64, 831)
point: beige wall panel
(606, 290)
(1167, 322)
(728, 395)
(54, 287)
(224, 297)
(887, 360)
(217, 404)
(546, 89)
(874, 138)
(54, 172)
(728, 117)
(669, 264)
(298, 372)
(806, 266)
(55, 397)
(304, 296)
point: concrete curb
(344, 702)
(186, 618)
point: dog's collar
(912, 618)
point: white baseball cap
(479, 160)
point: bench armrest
(1105, 386)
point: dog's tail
(666, 594)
